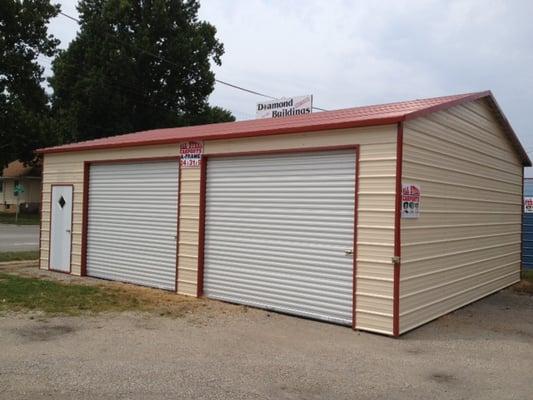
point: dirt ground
(222, 351)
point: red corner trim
(397, 232)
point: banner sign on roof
(410, 200)
(285, 107)
(528, 205)
(191, 154)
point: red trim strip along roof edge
(383, 114)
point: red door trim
(134, 160)
(203, 180)
(355, 223)
(283, 151)
(201, 228)
(50, 228)
(85, 217)
(397, 232)
(85, 212)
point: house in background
(26, 176)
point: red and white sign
(191, 154)
(528, 205)
(410, 200)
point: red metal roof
(381, 114)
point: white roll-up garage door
(277, 231)
(132, 223)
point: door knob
(68, 230)
(348, 252)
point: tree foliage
(24, 111)
(136, 65)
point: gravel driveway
(222, 351)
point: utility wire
(176, 65)
(141, 98)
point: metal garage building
(527, 227)
(381, 218)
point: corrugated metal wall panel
(189, 227)
(528, 241)
(466, 242)
(68, 168)
(133, 223)
(376, 185)
(276, 231)
(527, 249)
(377, 150)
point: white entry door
(61, 228)
(280, 231)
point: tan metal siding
(376, 210)
(377, 174)
(188, 231)
(466, 243)
(68, 168)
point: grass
(24, 219)
(21, 293)
(19, 255)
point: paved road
(19, 237)
(219, 351)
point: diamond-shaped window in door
(62, 202)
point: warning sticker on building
(410, 201)
(528, 205)
(191, 154)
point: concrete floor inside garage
(223, 351)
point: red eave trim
(266, 132)
(311, 127)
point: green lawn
(19, 255)
(24, 219)
(23, 293)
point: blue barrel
(527, 243)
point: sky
(354, 53)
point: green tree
(136, 65)
(24, 110)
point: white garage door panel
(133, 223)
(277, 227)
